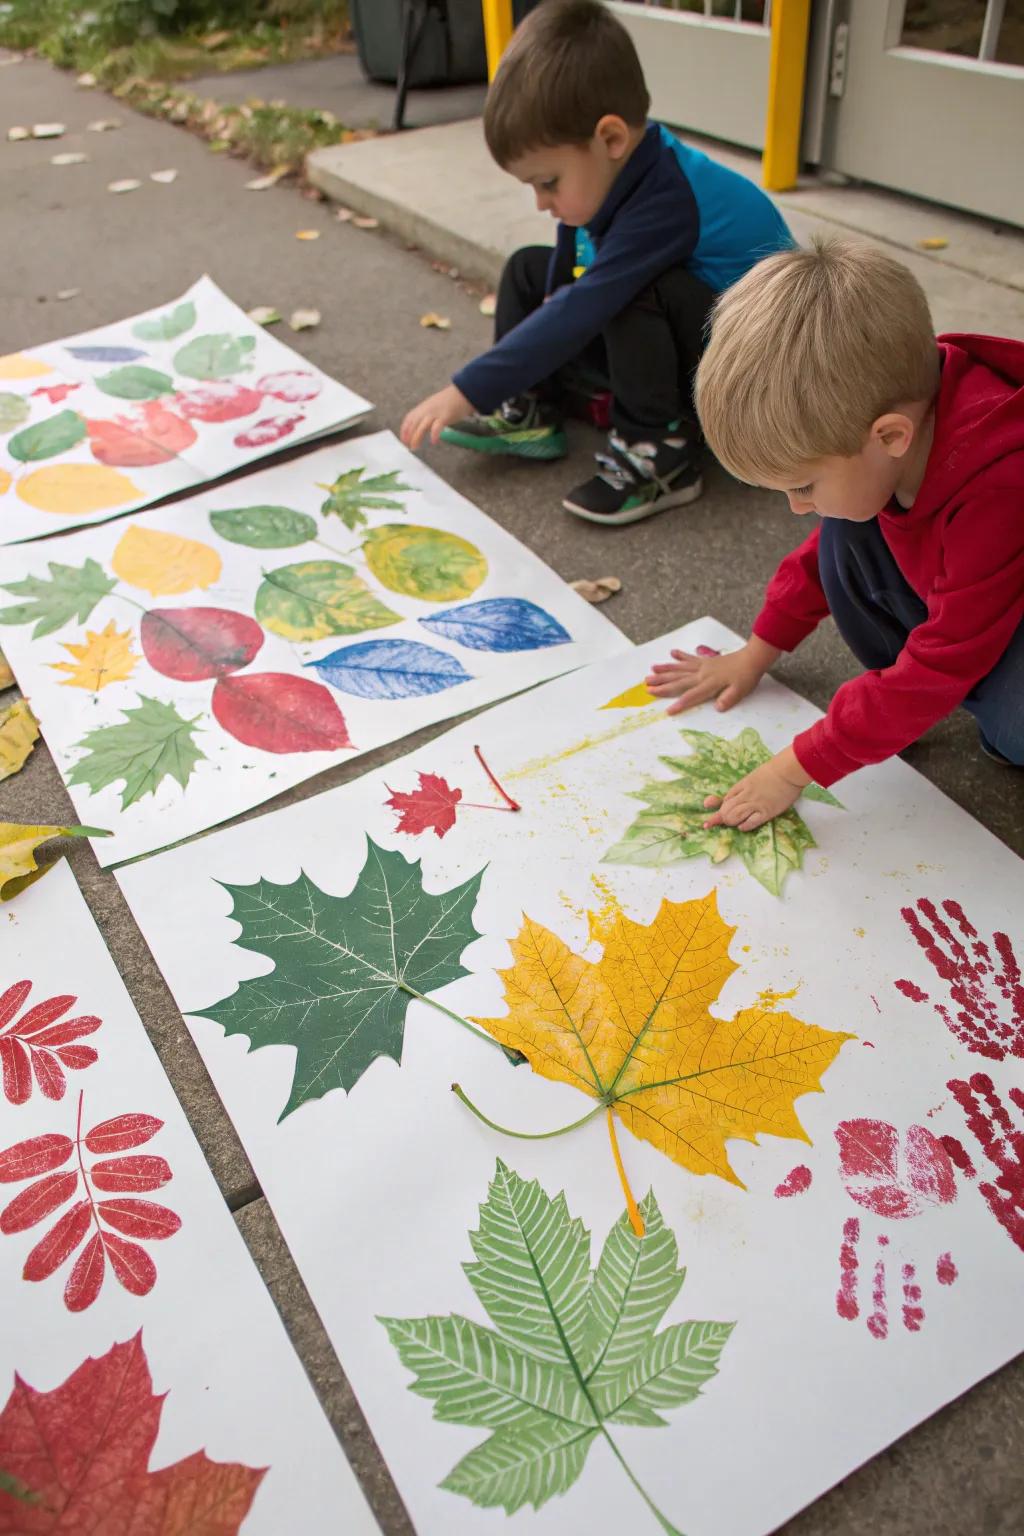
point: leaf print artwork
(164, 564)
(41, 1044)
(104, 657)
(264, 527)
(47, 438)
(70, 592)
(498, 624)
(14, 411)
(153, 743)
(433, 805)
(76, 490)
(135, 382)
(168, 326)
(81, 1454)
(195, 644)
(391, 669)
(423, 562)
(319, 598)
(214, 357)
(278, 712)
(152, 434)
(218, 401)
(572, 1350)
(349, 496)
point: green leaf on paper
(154, 743)
(345, 967)
(570, 1353)
(173, 322)
(350, 494)
(134, 382)
(424, 562)
(317, 598)
(47, 438)
(264, 527)
(214, 357)
(71, 592)
(14, 409)
(672, 827)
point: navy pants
(875, 610)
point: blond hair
(806, 351)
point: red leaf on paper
(17, 1070)
(64, 1033)
(28, 1159)
(292, 385)
(193, 644)
(42, 1014)
(86, 1278)
(269, 430)
(149, 435)
(37, 1202)
(12, 999)
(130, 1174)
(431, 807)
(278, 712)
(55, 393)
(27, 1044)
(143, 1219)
(59, 1243)
(218, 401)
(77, 1056)
(131, 1264)
(48, 1074)
(893, 1176)
(122, 1133)
(84, 1450)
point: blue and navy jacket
(670, 205)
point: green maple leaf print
(570, 1353)
(672, 827)
(153, 744)
(71, 592)
(345, 967)
(350, 493)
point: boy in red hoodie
(823, 379)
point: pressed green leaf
(634, 1284)
(135, 382)
(670, 1373)
(71, 592)
(823, 796)
(214, 357)
(154, 743)
(46, 438)
(172, 323)
(526, 1465)
(317, 598)
(264, 527)
(14, 409)
(350, 494)
(345, 967)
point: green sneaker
(523, 427)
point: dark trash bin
(449, 39)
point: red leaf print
(292, 385)
(55, 393)
(59, 1243)
(143, 1219)
(48, 1074)
(70, 1029)
(218, 401)
(84, 1450)
(131, 1264)
(121, 1175)
(269, 430)
(26, 1045)
(149, 435)
(37, 1202)
(431, 807)
(28, 1159)
(12, 999)
(86, 1278)
(43, 1014)
(194, 644)
(17, 1070)
(122, 1133)
(893, 1178)
(278, 712)
(77, 1056)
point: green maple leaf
(153, 744)
(672, 827)
(572, 1352)
(71, 592)
(350, 493)
(345, 967)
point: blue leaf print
(390, 669)
(106, 354)
(499, 624)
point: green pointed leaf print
(47, 438)
(350, 494)
(317, 598)
(71, 592)
(264, 527)
(166, 327)
(345, 967)
(134, 382)
(672, 827)
(573, 1351)
(214, 357)
(154, 743)
(14, 409)
(424, 562)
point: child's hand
(431, 415)
(763, 794)
(692, 680)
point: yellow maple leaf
(164, 563)
(635, 1031)
(6, 675)
(18, 845)
(633, 698)
(104, 657)
(19, 732)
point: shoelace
(623, 467)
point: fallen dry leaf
(313, 195)
(103, 125)
(18, 844)
(598, 590)
(343, 215)
(6, 675)
(86, 81)
(218, 146)
(123, 186)
(72, 158)
(271, 179)
(432, 322)
(933, 243)
(488, 304)
(47, 130)
(365, 222)
(163, 177)
(19, 732)
(264, 314)
(304, 319)
(307, 234)
(215, 39)
(69, 293)
(15, 135)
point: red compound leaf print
(37, 1047)
(985, 990)
(82, 1451)
(1002, 1142)
(893, 1176)
(103, 1225)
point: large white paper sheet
(118, 417)
(870, 1277)
(169, 707)
(158, 1280)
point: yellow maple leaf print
(635, 1031)
(103, 657)
(164, 564)
(19, 732)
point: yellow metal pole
(497, 31)
(781, 164)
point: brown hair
(806, 351)
(570, 63)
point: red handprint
(987, 992)
(1002, 1143)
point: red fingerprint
(796, 1182)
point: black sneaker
(637, 480)
(523, 427)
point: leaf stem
(513, 805)
(636, 1221)
(81, 1164)
(343, 553)
(504, 1130)
(457, 1017)
(474, 805)
(131, 601)
(666, 1525)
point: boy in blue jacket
(649, 232)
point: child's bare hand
(433, 414)
(762, 795)
(691, 680)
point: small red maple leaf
(79, 1456)
(55, 393)
(431, 807)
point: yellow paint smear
(770, 999)
(638, 722)
(633, 698)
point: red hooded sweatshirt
(960, 547)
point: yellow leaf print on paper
(164, 563)
(5, 482)
(19, 732)
(76, 490)
(18, 365)
(102, 658)
(633, 698)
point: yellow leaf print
(164, 563)
(104, 657)
(633, 698)
(19, 732)
(18, 365)
(423, 562)
(5, 482)
(76, 490)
